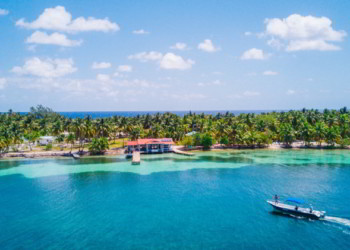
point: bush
(48, 147)
(98, 145)
(197, 139)
(224, 140)
(206, 141)
(187, 141)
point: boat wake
(342, 221)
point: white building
(44, 140)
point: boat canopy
(295, 200)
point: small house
(45, 140)
(151, 145)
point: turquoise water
(213, 200)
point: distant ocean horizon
(104, 114)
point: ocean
(214, 200)
(103, 114)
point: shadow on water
(275, 213)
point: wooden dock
(136, 159)
(177, 151)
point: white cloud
(291, 92)
(172, 61)
(213, 83)
(3, 12)
(147, 56)
(101, 65)
(167, 61)
(125, 68)
(59, 19)
(311, 45)
(275, 43)
(2, 83)
(103, 77)
(55, 38)
(254, 54)
(187, 96)
(140, 32)
(270, 73)
(248, 33)
(46, 68)
(208, 46)
(251, 93)
(305, 32)
(179, 46)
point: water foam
(342, 221)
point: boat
(295, 209)
(75, 156)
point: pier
(136, 159)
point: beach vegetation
(98, 145)
(308, 127)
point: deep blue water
(203, 208)
(102, 114)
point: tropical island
(24, 133)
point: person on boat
(296, 208)
(310, 209)
(276, 198)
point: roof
(166, 141)
(47, 137)
(295, 200)
(191, 133)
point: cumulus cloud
(179, 46)
(55, 38)
(146, 56)
(46, 67)
(214, 83)
(125, 68)
(58, 18)
(254, 54)
(103, 77)
(101, 65)
(304, 32)
(311, 45)
(4, 12)
(172, 61)
(2, 83)
(140, 32)
(167, 61)
(270, 73)
(207, 46)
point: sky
(174, 55)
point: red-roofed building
(151, 145)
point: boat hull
(304, 212)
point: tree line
(328, 126)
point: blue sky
(174, 55)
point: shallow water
(212, 200)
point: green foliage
(98, 145)
(60, 138)
(224, 140)
(48, 147)
(309, 126)
(206, 141)
(187, 141)
(197, 139)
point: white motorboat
(295, 209)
